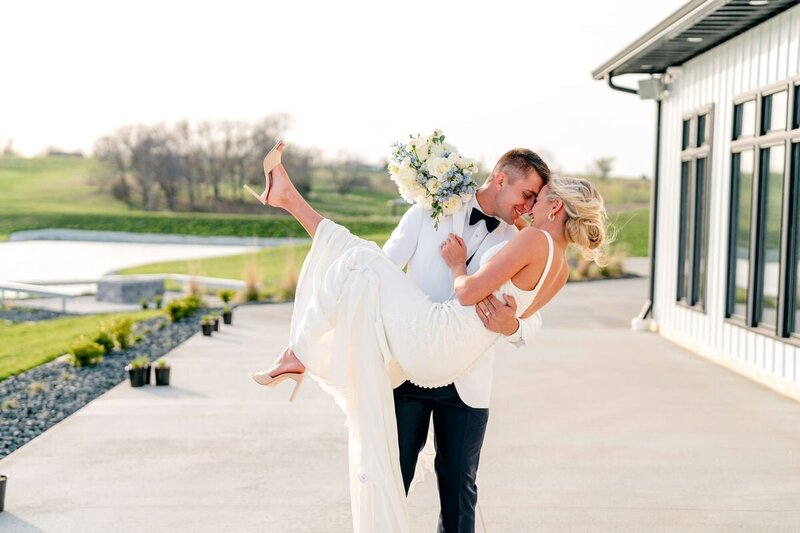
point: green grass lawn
(63, 192)
(633, 231)
(619, 192)
(53, 185)
(57, 192)
(27, 345)
(274, 265)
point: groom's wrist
(516, 334)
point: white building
(725, 224)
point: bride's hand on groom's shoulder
(454, 251)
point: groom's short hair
(523, 160)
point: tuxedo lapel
(459, 221)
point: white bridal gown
(361, 327)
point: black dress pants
(458, 434)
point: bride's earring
(551, 217)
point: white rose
(438, 166)
(463, 162)
(451, 205)
(426, 202)
(433, 185)
(422, 149)
(437, 150)
(466, 197)
(447, 147)
(407, 194)
(407, 175)
(417, 190)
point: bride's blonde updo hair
(586, 222)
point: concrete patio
(595, 428)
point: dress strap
(548, 264)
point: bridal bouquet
(432, 173)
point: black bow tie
(478, 215)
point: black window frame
(789, 139)
(694, 208)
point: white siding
(764, 55)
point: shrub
(85, 353)
(140, 362)
(184, 307)
(226, 295)
(194, 287)
(105, 340)
(269, 293)
(251, 294)
(162, 363)
(120, 330)
(251, 280)
(288, 287)
(176, 310)
(158, 300)
(145, 303)
(9, 404)
(37, 387)
(193, 303)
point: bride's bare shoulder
(533, 237)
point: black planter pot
(162, 376)
(216, 323)
(147, 373)
(3, 480)
(136, 376)
(207, 329)
(227, 317)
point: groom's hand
(497, 316)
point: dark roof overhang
(697, 27)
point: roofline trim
(685, 16)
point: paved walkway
(595, 428)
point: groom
(460, 411)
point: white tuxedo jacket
(415, 243)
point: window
(773, 116)
(771, 200)
(742, 187)
(793, 284)
(764, 240)
(693, 208)
(744, 120)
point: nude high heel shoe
(272, 160)
(263, 378)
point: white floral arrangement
(431, 173)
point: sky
(353, 76)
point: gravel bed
(34, 401)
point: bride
(360, 327)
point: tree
(8, 149)
(203, 164)
(348, 173)
(604, 165)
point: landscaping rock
(26, 412)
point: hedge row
(183, 224)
